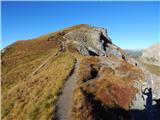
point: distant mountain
(135, 53)
(148, 57)
(151, 54)
(76, 73)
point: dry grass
(81, 109)
(135, 73)
(152, 68)
(22, 52)
(115, 90)
(113, 87)
(112, 91)
(21, 58)
(35, 98)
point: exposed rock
(121, 81)
(145, 99)
(93, 39)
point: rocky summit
(77, 73)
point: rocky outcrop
(120, 82)
(91, 41)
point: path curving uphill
(65, 100)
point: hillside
(150, 63)
(151, 55)
(77, 73)
(134, 53)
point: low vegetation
(101, 88)
(152, 68)
(35, 98)
(35, 71)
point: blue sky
(131, 25)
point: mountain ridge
(108, 82)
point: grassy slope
(152, 68)
(34, 98)
(21, 58)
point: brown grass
(113, 90)
(35, 98)
(152, 68)
(81, 109)
(21, 58)
(135, 73)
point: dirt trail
(65, 100)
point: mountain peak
(74, 73)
